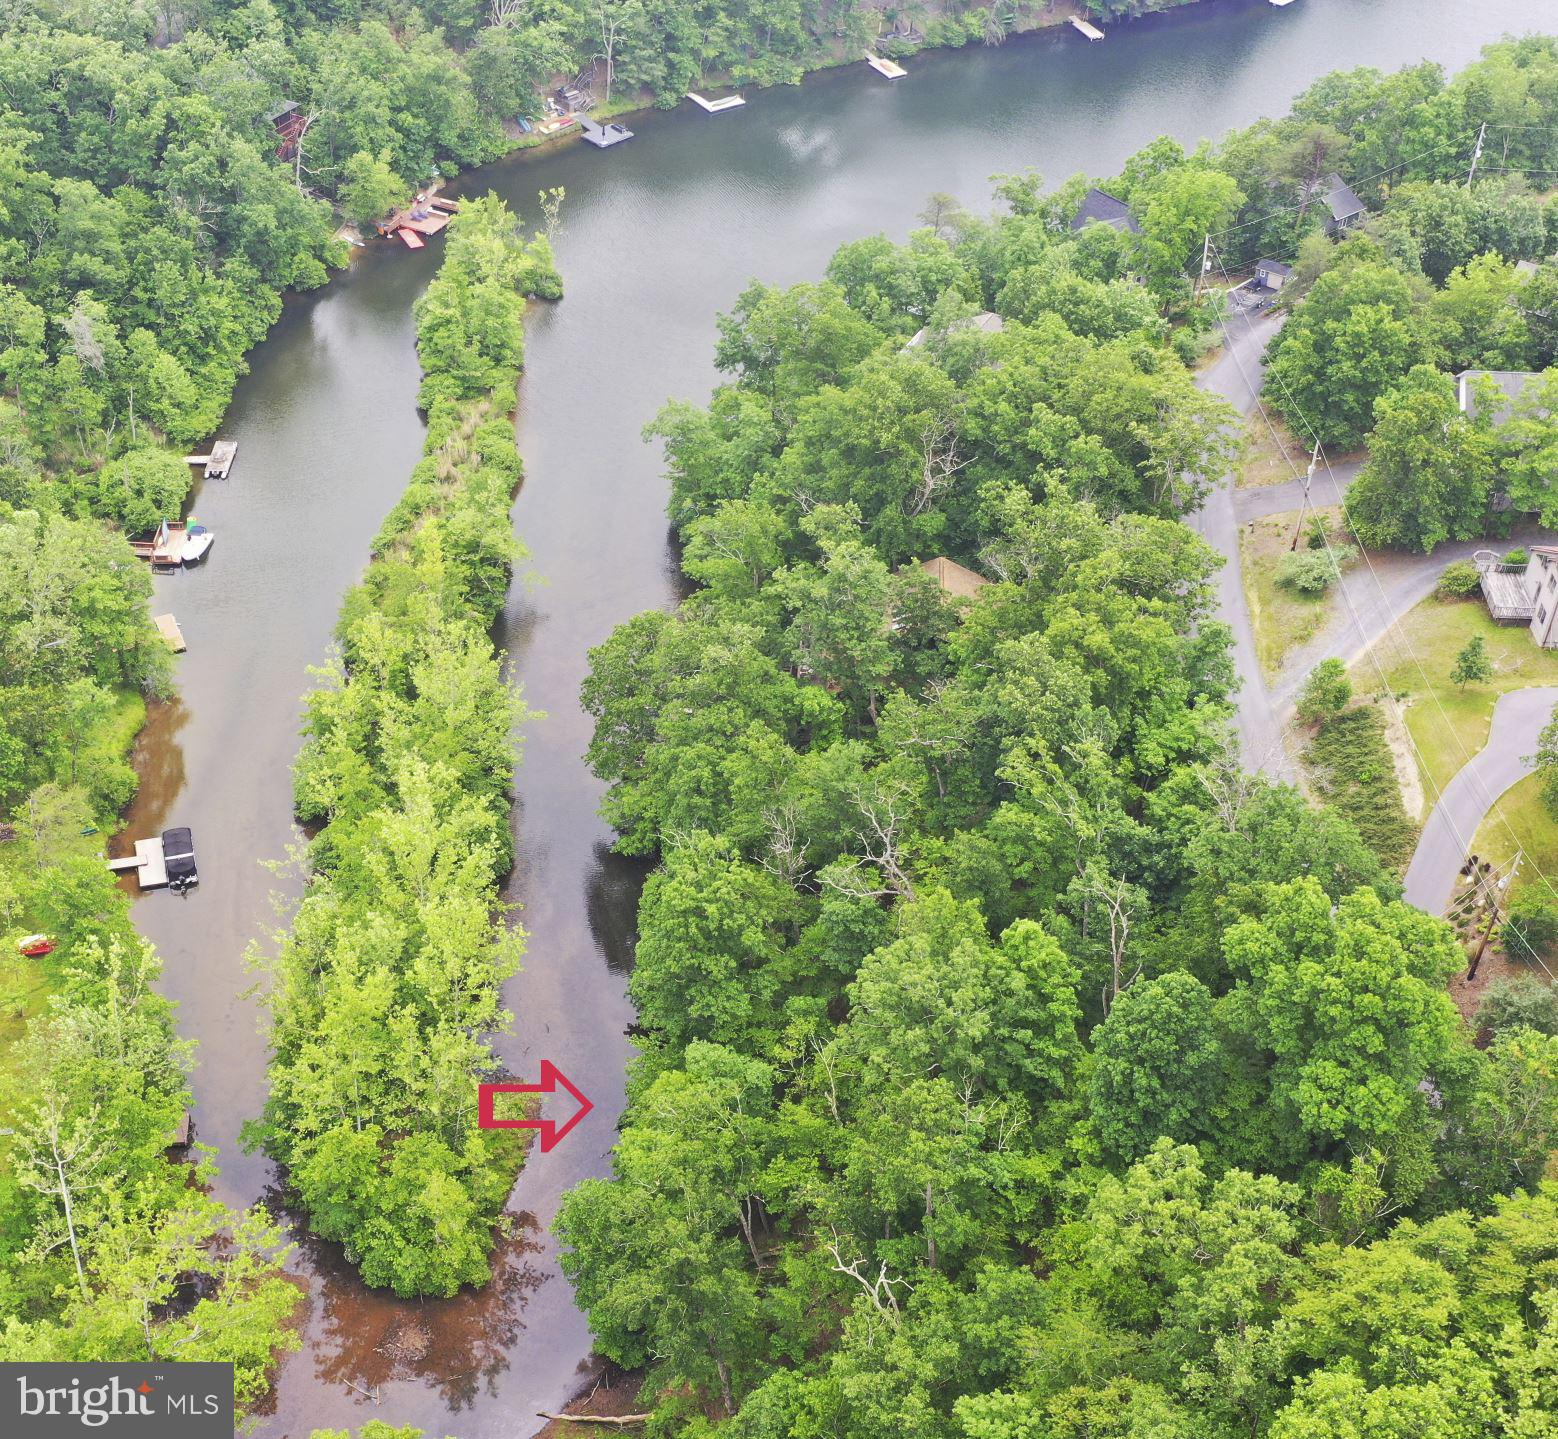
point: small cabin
(1347, 210)
(1272, 275)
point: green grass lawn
(1449, 724)
(1282, 618)
(1265, 459)
(1521, 820)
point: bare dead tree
(609, 14)
(1117, 899)
(506, 14)
(882, 810)
(786, 853)
(878, 1288)
(940, 461)
(1228, 785)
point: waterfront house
(986, 321)
(956, 580)
(288, 123)
(1347, 210)
(1099, 207)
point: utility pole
(1206, 265)
(1309, 474)
(1491, 893)
(1476, 153)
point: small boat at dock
(217, 464)
(168, 860)
(197, 544)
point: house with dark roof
(1272, 274)
(1507, 383)
(1099, 207)
(1346, 208)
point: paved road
(1236, 375)
(1518, 719)
(1374, 595)
(1327, 488)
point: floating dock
(411, 239)
(603, 137)
(169, 629)
(890, 69)
(148, 861)
(1091, 31)
(217, 464)
(429, 224)
(730, 102)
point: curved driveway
(1374, 596)
(1518, 718)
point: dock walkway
(168, 628)
(730, 102)
(888, 69)
(1091, 31)
(148, 861)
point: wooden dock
(148, 862)
(714, 107)
(169, 629)
(429, 224)
(1091, 31)
(216, 465)
(889, 69)
(410, 238)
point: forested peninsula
(1015, 1063)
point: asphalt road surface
(1518, 719)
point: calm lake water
(658, 236)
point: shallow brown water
(658, 236)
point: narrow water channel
(657, 237)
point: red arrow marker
(551, 1133)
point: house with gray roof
(1099, 207)
(1346, 208)
(1508, 383)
